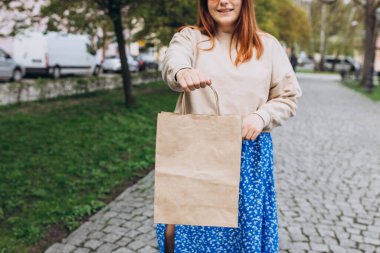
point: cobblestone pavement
(327, 172)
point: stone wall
(40, 89)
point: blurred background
(80, 89)
(338, 36)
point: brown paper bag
(197, 170)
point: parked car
(341, 64)
(113, 64)
(306, 63)
(146, 61)
(10, 70)
(55, 54)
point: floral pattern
(258, 220)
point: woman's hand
(253, 124)
(191, 79)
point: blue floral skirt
(258, 220)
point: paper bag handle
(216, 100)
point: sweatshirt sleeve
(179, 55)
(283, 93)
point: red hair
(245, 30)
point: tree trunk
(105, 42)
(114, 11)
(322, 46)
(369, 45)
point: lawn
(353, 84)
(61, 160)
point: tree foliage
(75, 16)
(266, 15)
(159, 19)
(341, 35)
(292, 23)
(79, 16)
(163, 17)
(17, 15)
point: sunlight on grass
(60, 158)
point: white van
(55, 54)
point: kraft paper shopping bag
(197, 168)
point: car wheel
(56, 72)
(17, 75)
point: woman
(254, 78)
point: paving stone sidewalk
(124, 226)
(327, 172)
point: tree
(87, 16)
(163, 17)
(297, 28)
(113, 9)
(284, 20)
(334, 34)
(266, 15)
(370, 10)
(341, 28)
(17, 15)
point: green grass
(353, 84)
(59, 159)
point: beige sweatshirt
(267, 87)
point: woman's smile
(225, 11)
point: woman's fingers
(252, 126)
(189, 82)
(254, 135)
(183, 84)
(191, 79)
(196, 81)
(245, 131)
(204, 80)
(249, 132)
(182, 79)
